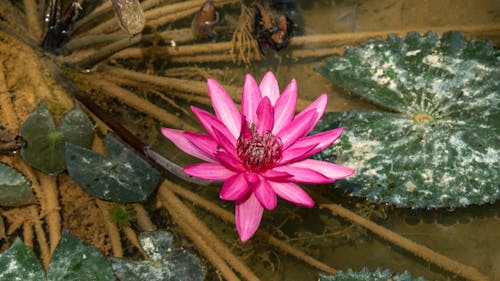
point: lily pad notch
(44, 149)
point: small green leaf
(365, 275)
(76, 260)
(122, 177)
(18, 263)
(166, 262)
(441, 147)
(14, 188)
(44, 147)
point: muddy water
(469, 235)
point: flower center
(259, 152)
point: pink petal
(248, 215)
(330, 170)
(295, 153)
(224, 107)
(303, 174)
(273, 175)
(269, 87)
(264, 193)
(234, 188)
(319, 105)
(228, 161)
(293, 193)
(284, 109)
(208, 171)
(225, 143)
(250, 99)
(297, 128)
(179, 139)
(265, 116)
(208, 121)
(204, 142)
(310, 145)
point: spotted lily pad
(439, 146)
(44, 147)
(14, 188)
(365, 275)
(165, 262)
(76, 260)
(73, 260)
(122, 177)
(18, 263)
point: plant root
(228, 217)
(143, 220)
(188, 221)
(421, 251)
(112, 229)
(53, 217)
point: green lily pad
(166, 262)
(440, 145)
(18, 263)
(365, 275)
(122, 177)
(76, 260)
(73, 260)
(14, 188)
(44, 149)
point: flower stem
(425, 253)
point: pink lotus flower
(261, 151)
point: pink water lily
(260, 151)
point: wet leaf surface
(44, 147)
(15, 190)
(76, 260)
(364, 274)
(166, 262)
(440, 146)
(122, 177)
(19, 263)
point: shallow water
(469, 235)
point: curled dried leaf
(130, 16)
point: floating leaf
(14, 188)
(44, 147)
(122, 177)
(365, 275)
(166, 263)
(18, 263)
(76, 260)
(440, 147)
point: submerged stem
(425, 253)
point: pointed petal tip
(248, 216)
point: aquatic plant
(261, 151)
(365, 275)
(44, 149)
(437, 146)
(14, 188)
(73, 259)
(122, 177)
(142, 81)
(165, 262)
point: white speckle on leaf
(413, 53)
